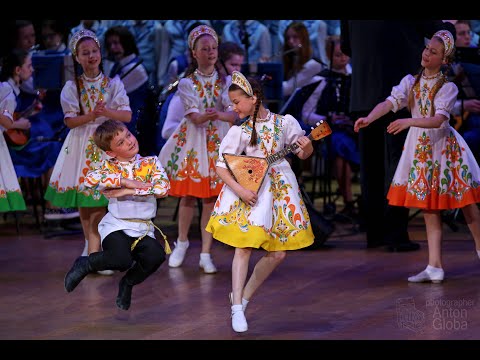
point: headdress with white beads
(80, 35)
(239, 79)
(447, 39)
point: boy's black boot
(124, 296)
(80, 269)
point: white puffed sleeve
(69, 100)
(118, 95)
(189, 96)
(399, 95)
(292, 131)
(8, 102)
(232, 144)
(445, 99)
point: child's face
(124, 146)
(26, 37)
(205, 51)
(242, 104)
(88, 54)
(26, 70)
(115, 48)
(234, 63)
(292, 38)
(339, 59)
(464, 35)
(432, 56)
(51, 39)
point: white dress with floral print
(190, 153)
(79, 153)
(11, 197)
(279, 220)
(437, 169)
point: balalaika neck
(282, 153)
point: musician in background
(317, 33)
(466, 112)
(21, 35)
(330, 101)
(300, 69)
(253, 36)
(299, 66)
(31, 158)
(275, 218)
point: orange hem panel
(197, 189)
(398, 196)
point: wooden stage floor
(345, 292)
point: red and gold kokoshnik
(199, 31)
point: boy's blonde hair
(105, 133)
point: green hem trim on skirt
(73, 199)
(13, 202)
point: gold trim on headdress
(80, 35)
(447, 39)
(239, 79)
(198, 31)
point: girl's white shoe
(239, 322)
(206, 264)
(178, 253)
(430, 274)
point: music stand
(52, 70)
(467, 55)
(295, 102)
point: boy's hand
(135, 184)
(115, 193)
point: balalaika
(250, 171)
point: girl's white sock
(432, 269)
